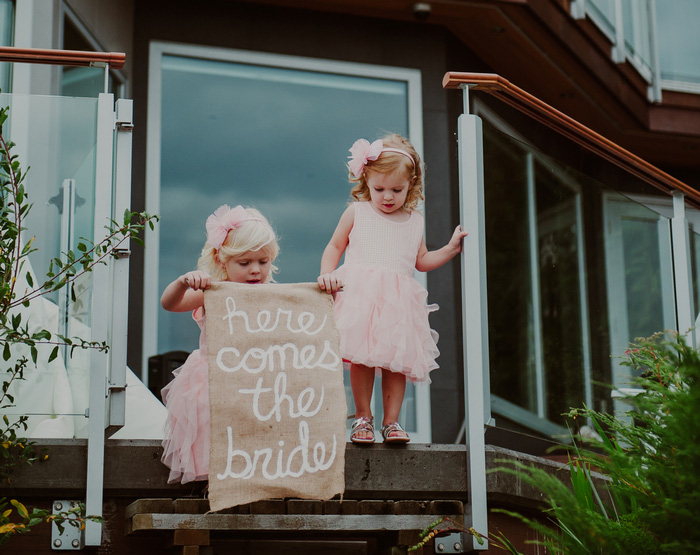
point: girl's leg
(362, 383)
(393, 390)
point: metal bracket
(72, 537)
(451, 543)
(122, 253)
(125, 126)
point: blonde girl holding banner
(241, 247)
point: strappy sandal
(362, 424)
(394, 428)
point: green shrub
(647, 500)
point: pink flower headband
(362, 152)
(223, 220)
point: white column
(474, 312)
(100, 322)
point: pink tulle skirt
(382, 317)
(186, 443)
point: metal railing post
(474, 312)
(120, 269)
(681, 268)
(99, 361)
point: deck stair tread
(163, 514)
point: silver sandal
(394, 428)
(362, 424)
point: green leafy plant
(25, 520)
(445, 525)
(644, 495)
(20, 339)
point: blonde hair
(255, 234)
(390, 162)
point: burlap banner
(276, 394)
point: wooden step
(369, 516)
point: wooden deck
(391, 493)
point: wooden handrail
(554, 119)
(61, 57)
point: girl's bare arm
(186, 293)
(334, 251)
(429, 260)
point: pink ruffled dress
(186, 443)
(381, 313)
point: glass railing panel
(576, 270)
(56, 138)
(561, 273)
(508, 246)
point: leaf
(54, 353)
(21, 509)
(6, 354)
(9, 527)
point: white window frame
(158, 50)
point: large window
(273, 132)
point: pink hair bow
(362, 151)
(223, 220)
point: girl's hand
(456, 239)
(330, 283)
(196, 280)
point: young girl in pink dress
(241, 247)
(381, 312)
